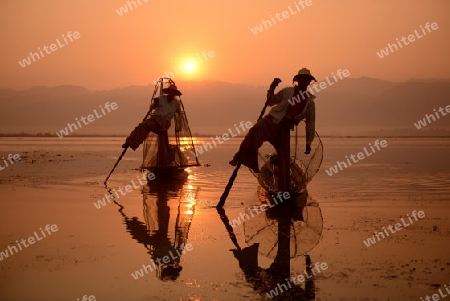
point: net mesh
(304, 226)
(303, 167)
(181, 150)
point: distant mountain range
(353, 106)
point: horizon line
(410, 80)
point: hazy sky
(142, 44)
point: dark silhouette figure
(167, 221)
(276, 281)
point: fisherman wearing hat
(302, 105)
(164, 108)
(289, 106)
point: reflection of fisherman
(275, 126)
(164, 247)
(265, 280)
(164, 109)
(158, 246)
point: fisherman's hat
(172, 89)
(303, 72)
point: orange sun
(189, 67)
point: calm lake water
(157, 220)
(408, 168)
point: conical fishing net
(303, 167)
(181, 150)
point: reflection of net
(181, 152)
(304, 234)
(168, 212)
(302, 168)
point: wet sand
(95, 250)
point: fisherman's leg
(283, 158)
(248, 151)
(140, 133)
(163, 148)
(310, 125)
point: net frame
(182, 153)
(303, 167)
(305, 230)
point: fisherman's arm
(272, 98)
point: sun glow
(190, 67)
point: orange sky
(142, 44)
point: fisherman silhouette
(164, 234)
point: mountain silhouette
(353, 106)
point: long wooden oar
(226, 192)
(226, 222)
(123, 153)
(115, 165)
(224, 196)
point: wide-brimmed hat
(172, 89)
(303, 72)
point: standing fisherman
(164, 109)
(290, 106)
